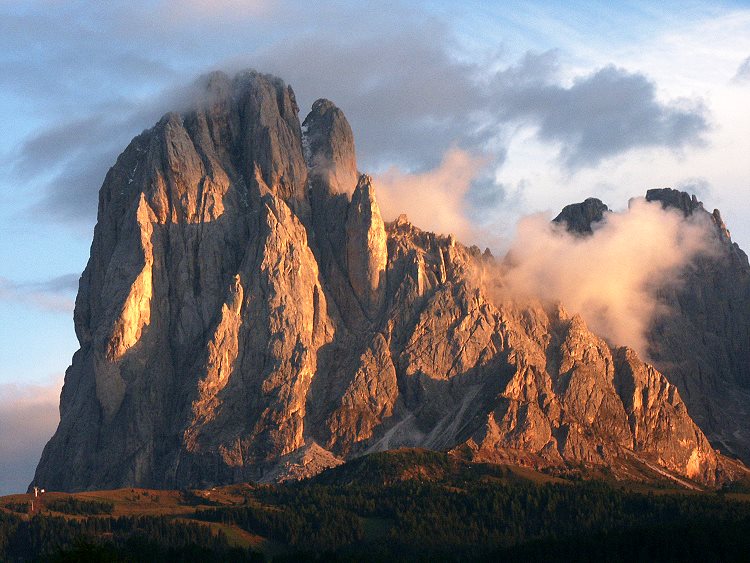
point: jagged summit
(675, 199)
(578, 217)
(245, 309)
(689, 205)
(329, 144)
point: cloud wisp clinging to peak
(611, 276)
(434, 200)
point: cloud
(743, 71)
(54, 295)
(59, 58)
(434, 200)
(71, 194)
(62, 141)
(605, 114)
(611, 276)
(28, 417)
(408, 87)
(407, 99)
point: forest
(400, 506)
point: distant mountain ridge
(246, 314)
(704, 344)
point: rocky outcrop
(579, 217)
(366, 248)
(570, 398)
(329, 148)
(659, 420)
(675, 199)
(303, 463)
(246, 315)
(201, 309)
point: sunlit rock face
(366, 248)
(246, 314)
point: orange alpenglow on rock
(246, 314)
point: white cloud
(611, 276)
(28, 417)
(434, 200)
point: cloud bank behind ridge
(610, 277)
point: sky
(498, 109)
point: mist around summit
(611, 277)
(248, 313)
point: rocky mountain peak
(366, 247)
(690, 205)
(675, 199)
(579, 217)
(214, 88)
(702, 340)
(329, 147)
(245, 314)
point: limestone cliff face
(329, 147)
(246, 315)
(366, 248)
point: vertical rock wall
(245, 309)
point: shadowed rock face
(703, 343)
(579, 217)
(329, 147)
(246, 315)
(675, 199)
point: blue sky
(548, 103)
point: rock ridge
(703, 342)
(246, 314)
(579, 217)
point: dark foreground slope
(410, 505)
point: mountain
(703, 341)
(246, 314)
